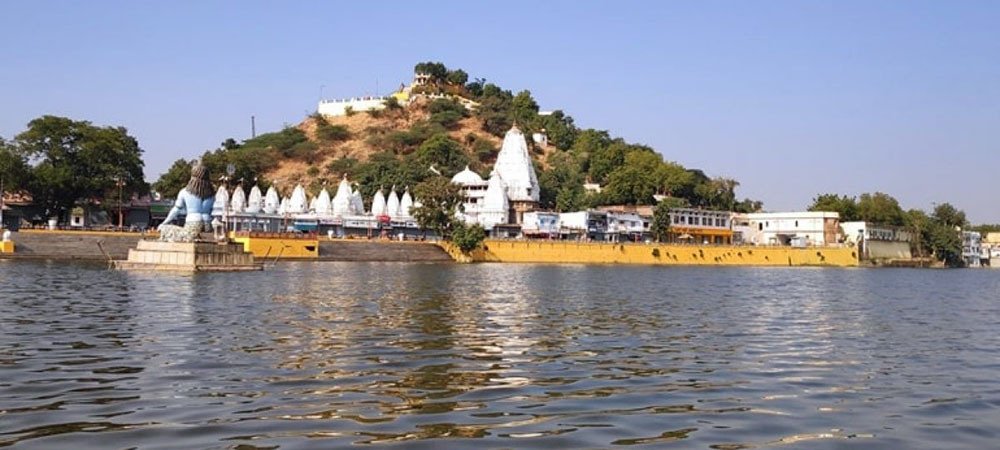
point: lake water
(321, 355)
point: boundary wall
(659, 254)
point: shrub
(349, 111)
(313, 171)
(331, 133)
(341, 166)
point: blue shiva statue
(195, 203)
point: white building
(876, 241)
(511, 190)
(805, 228)
(972, 250)
(545, 223)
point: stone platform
(189, 257)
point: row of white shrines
(512, 189)
(343, 214)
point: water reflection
(497, 355)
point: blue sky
(791, 98)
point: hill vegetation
(398, 146)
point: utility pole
(1, 200)
(253, 127)
(121, 184)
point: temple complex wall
(656, 254)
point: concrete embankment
(87, 245)
(657, 254)
(348, 250)
(73, 245)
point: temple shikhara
(512, 188)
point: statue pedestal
(189, 257)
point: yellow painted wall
(280, 248)
(6, 247)
(607, 253)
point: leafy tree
(442, 152)
(447, 119)
(661, 221)
(846, 206)
(457, 77)
(524, 108)
(880, 208)
(475, 88)
(440, 200)
(561, 185)
(748, 206)
(75, 160)
(604, 160)
(946, 242)
(633, 182)
(383, 170)
(559, 128)
(495, 114)
(467, 237)
(436, 70)
(174, 179)
(949, 216)
(14, 167)
(340, 167)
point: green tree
(880, 208)
(174, 179)
(524, 108)
(467, 237)
(457, 77)
(846, 206)
(661, 221)
(75, 160)
(436, 70)
(559, 128)
(495, 113)
(949, 216)
(14, 167)
(442, 152)
(633, 182)
(440, 200)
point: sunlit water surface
(320, 355)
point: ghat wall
(611, 253)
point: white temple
(342, 215)
(511, 190)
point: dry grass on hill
(361, 125)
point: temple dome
(406, 204)
(297, 204)
(495, 204)
(238, 203)
(378, 204)
(515, 169)
(323, 205)
(357, 203)
(392, 203)
(271, 201)
(221, 201)
(467, 177)
(256, 200)
(341, 204)
(283, 206)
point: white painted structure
(541, 222)
(803, 228)
(511, 190)
(972, 250)
(877, 241)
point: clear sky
(791, 98)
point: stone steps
(72, 246)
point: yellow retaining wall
(7, 247)
(608, 253)
(284, 248)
